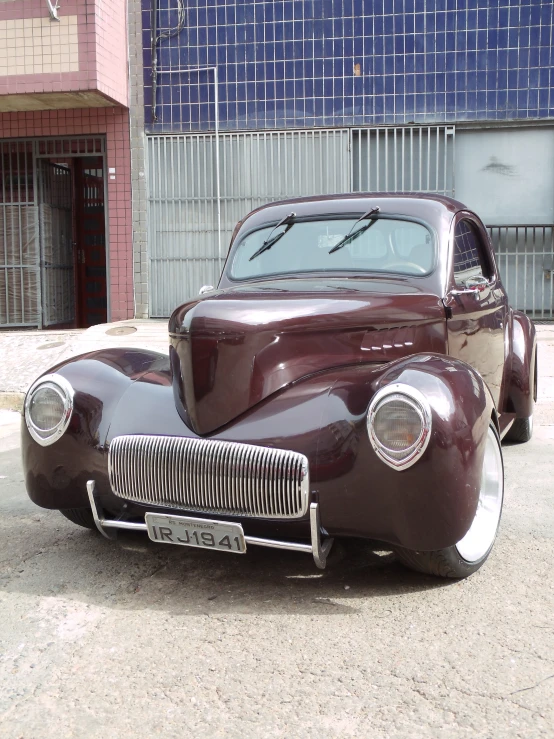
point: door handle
(473, 286)
(476, 280)
(465, 291)
(480, 282)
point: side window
(468, 258)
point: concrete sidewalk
(24, 355)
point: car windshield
(389, 245)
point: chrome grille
(209, 476)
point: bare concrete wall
(138, 179)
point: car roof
(437, 210)
(449, 203)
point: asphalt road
(132, 639)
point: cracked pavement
(134, 639)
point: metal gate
(56, 243)
(200, 185)
(36, 251)
(525, 255)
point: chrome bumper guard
(319, 547)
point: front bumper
(428, 506)
(319, 546)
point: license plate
(196, 532)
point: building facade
(134, 135)
(245, 102)
(65, 181)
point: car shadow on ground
(135, 573)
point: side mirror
(205, 289)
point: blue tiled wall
(294, 63)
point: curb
(12, 401)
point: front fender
(429, 505)
(56, 475)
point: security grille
(525, 255)
(410, 158)
(19, 251)
(36, 262)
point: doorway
(53, 233)
(55, 218)
(90, 242)
(72, 233)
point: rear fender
(522, 381)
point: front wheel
(465, 557)
(81, 516)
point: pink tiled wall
(111, 48)
(114, 123)
(102, 48)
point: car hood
(232, 348)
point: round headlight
(399, 425)
(48, 408)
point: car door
(476, 303)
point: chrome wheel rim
(482, 532)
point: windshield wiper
(354, 234)
(268, 243)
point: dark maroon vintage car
(351, 376)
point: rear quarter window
(469, 257)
